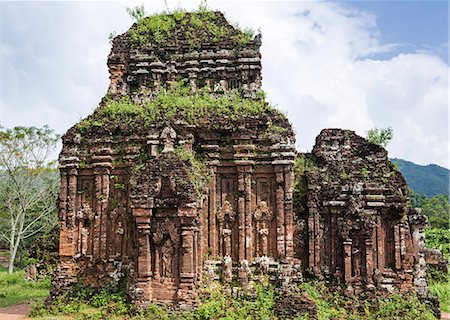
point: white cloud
(318, 65)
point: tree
(380, 137)
(437, 209)
(28, 184)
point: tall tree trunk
(16, 236)
(12, 256)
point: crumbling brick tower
(357, 226)
(184, 171)
(130, 201)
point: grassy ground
(14, 289)
(441, 289)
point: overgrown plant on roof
(201, 108)
(197, 25)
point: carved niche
(226, 217)
(263, 216)
(165, 244)
(168, 137)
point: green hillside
(429, 180)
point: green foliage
(111, 36)
(401, 307)
(430, 180)
(437, 209)
(329, 304)
(380, 137)
(437, 238)
(365, 173)
(218, 305)
(215, 304)
(86, 304)
(137, 13)
(303, 163)
(198, 172)
(15, 289)
(333, 304)
(275, 129)
(199, 26)
(441, 289)
(201, 108)
(119, 186)
(28, 185)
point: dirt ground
(17, 312)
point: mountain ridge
(429, 180)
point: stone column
(380, 239)
(398, 259)
(241, 212)
(187, 270)
(318, 242)
(144, 263)
(63, 197)
(144, 257)
(311, 237)
(248, 214)
(101, 203)
(281, 235)
(104, 215)
(72, 198)
(418, 222)
(67, 209)
(369, 261)
(288, 207)
(348, 265)
(212, 234)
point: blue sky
(353, 65)
(414, 25)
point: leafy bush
(437, 238)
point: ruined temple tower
(184, 172)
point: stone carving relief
(165, 239)
(263, 215)
(168, 137)
(226, 216)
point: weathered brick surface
(133, 211)
(356, 223)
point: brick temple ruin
(131, 211)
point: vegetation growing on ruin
(198, 26)
(202, 108)
(216, 303)
(333, 304)
(198, 172)
(303, 163)
(381, 136)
